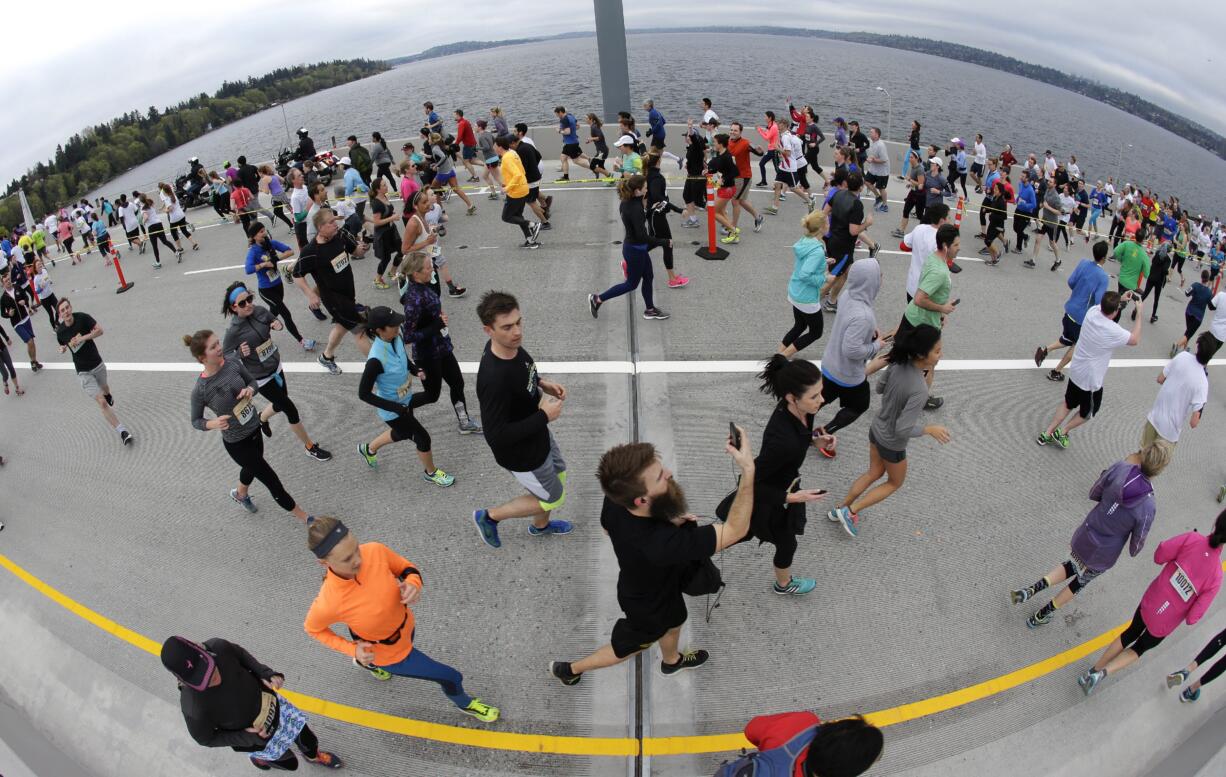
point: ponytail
(1218, 537)
(197, 342)
(783, 377)
(914, 344)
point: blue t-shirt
(1100, 199)
(433, 123)
(265, 277)
(354, 183)
(1198, 298)
(567, 122)
(960, 159)
(99, 228)
(1026, 202)
(1169, 227)
(1088, 282)
(655, 120)
(991, 179)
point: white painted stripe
(680, 367)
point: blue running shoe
(845, 516)
(1090, 680)
(245, 502)
(797, 586)
(554, 527)
(488, 529)
(1188, 696)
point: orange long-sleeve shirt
(369, 604)
(514, 179)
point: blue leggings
(420, 666)
(638, 268)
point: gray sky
(92, 63)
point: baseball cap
(377, 318)
(936, 160)
(191, 663)
(625, 140)
(345, 161)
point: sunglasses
(244, 302)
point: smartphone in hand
(734, 435)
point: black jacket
(217, 717)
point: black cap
(191, 663)
(377, 318)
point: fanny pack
(392, 640)
(268, 718)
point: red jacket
(771, 731)
(464, 132)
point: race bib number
(1182, 584)
(340, 263)
(436, 250)
(405, 388)
(243, 411)
(74, 348)
(271, 274)
(266, 350)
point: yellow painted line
(588, 746)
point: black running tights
(248, 454)
(797, 336)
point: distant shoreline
(1172, 122)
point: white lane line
(679, 367)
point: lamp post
(889, 115)
(285, 121)
(1120, 161)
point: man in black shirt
(326, 259)
(847, 222)
(249, 176)
(517, 406)
(229, 700)
(532, 172)
(77, 333)
(659, 547)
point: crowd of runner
(229, 698)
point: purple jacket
(1126, 506)
(422, 328)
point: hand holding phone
(734, 435)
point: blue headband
(238, 292)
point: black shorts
(890, 455)
(851, 397)
(631, 635)
(879, 181)
(1071, 331)
(802, 177)
(789, 180)
(914, 201)
(573, 150)
(842, 259)
(1191, 324)
(976, 169)
(345, 313)
(132, 234)
(534, 192)
(1137, 636)
(694, 192)
(1086, 402)
(1049, 230)
(1215, 346)
(992, 233)
(657, 142)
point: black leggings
(307, 742)
(1137, 637)
(797, 336)
(278, 395)
(853, 402)
(221, 204)
(275, 297)
(388, 248)
(279, 207)
(773, 158)
(1154, 284)
(406, 427)
(438, 370)
(385, 171)
(1020, 220)
(1211, 650)
(513, 212)
(248, 454)
(7, 370)
(658, 225)
(156, 233)
(181, 224)
(51, 305)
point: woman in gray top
(250, 337)
(381, 158)
(226, 388)
(904, 392)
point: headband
(329, 542)
(238, 292)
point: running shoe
(1177, 678)
(934, 403)
(690, 224)
(1029, 263)
(326, 759)
(1062, 438)
(827, 452)
(561, 670)
(733, 237)
(884, 207)
(758, 220)
(157, 265)
(381, 284)
(487, 528)
(329, 364)
(654, 314)
(984, 251)
(245, 502)
(1040, 354)
(690, 659)
(179, 256)
(265, 428)
(492, 196)
(797, 586)
(897, 233)
(678, 282)
(469, 426)
(534, 229)
(545, 225)
(762, 183)
(110, 400)
(438, 478)
(561, 178)
(548, 202)
(553, 527)
(1055, 376)
(847, 518)
(530, 244)
(1090, 680)
(829, 306)
(125, 438)
(1044, 438)
(372, 460)
(308, 345)
(771, 210)
(1153, 319)
(318, 453)
(1059, 262)
(486, 713)
(1040, 618)
(1188, 696)
(375, 672)
(455, 292)
(1021, 595)
(593, 305)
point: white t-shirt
(981, 154)
(299, 200)
(1049, 165)
(175, 212)
(1073, 170)
(1218, 327)
(795, 158)
(131, 221)
(1185, 391)
(1100, 336)
(878, 150)
(923, 243)
(710, 117)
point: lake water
(744, 75)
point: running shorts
(93, 380)
(1087, 403)
(976, 169)
(1137, 636)
(657, 141)
(1083, 573)
(468, 152)
(992, 233)
(132, 234)
(24, 330)
(346, 313)
(443, 179)
(1071, 330)
(574, 151)
(725, 192)
(534, 193)
(548, 481)
(888, 454)
(694, 192)
(788, 179)
(877, 180)
(1191, 324)
(743, 187)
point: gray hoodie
(852, 341)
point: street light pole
(889, 116)
(285, 121)
(1119, 162)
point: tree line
(99, 153)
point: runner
(421, 233)
(371, 590)
(327, 260)
(387, 384)
(515, 189)
(995, 205)
(568, 128)
(1192, 692)
(903, 390)
(660, 549)
(7, 370)
(1134, 265)
(1123, 515)
(790, 174)
(1156, 276)
(769, 133)
(444, 171)
(531, 158)
(77, 333)
(178, 219)
(226, 388)
(854, 341)
(877, 169)
(739, 148)
(1049, 223)
(1024, 210)
(1088, 283)
(847, 222)
(489, 172)
(229, 699)
(517, 405)
(381, 155)
(980, 164)
(425, 328)
(1184, 392)
(387, 240)
(263, 255)
(1182, 592)
(15, 305)
(272, 185)
(656, 131)
(44, 289)
(129, 214)
(1100, 335)
(805, 286)
(694, 191)
(155, 230)
(102, 238)
(250, 336)
(635, 247)
(916, 198)
(1199, 295)
(800, 744)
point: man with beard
(659, 547)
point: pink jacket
(771, 136)
(1185, 587)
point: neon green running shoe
(438, 478)
(372, 461)
(375, 672)
(481, 711)
(732, 237)
(1061, 438)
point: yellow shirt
(514, 179)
